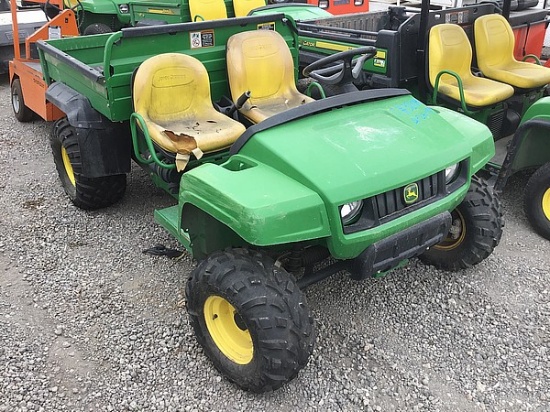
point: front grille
(390, 205)
(393, 201)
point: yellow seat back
(260, 61)
(172, 95)
(243, 7)
(450, 49)
(171, 86)
(495, 44)
(207, 10)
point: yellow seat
(259, 61)
(495, 43)
(450, 49)
(207, 10)
(243, 7)
(172, 94)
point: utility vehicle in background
(105, 16)
(266, 181)
(519, 117)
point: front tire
(86, 193)
(250, 318)
(21, 112)
(476, 230)
(536, 201)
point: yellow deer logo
(410, 193)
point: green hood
(356, 151)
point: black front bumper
(389, 252)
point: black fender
(105, 146)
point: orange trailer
(28, 88)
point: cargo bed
(100, 67)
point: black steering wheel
(325, 71)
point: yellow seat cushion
(172, 94)
(495, 43)
(450, 49)
(207, 10)
(259, 61)
(243, 7)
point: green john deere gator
(266, 182)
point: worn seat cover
(260, 62)
(172, 94)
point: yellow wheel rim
(228, 330)
(546, 204)
(68, 166)
(456, 234)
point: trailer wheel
(476, 230)
(97, 28)
(536, 201)
(22, 112)
(86, 193)
(250, 318)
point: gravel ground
(90, 323)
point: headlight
(451, 173)
(350, 211)
(124, 9)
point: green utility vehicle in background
(519, 123)
(105, 16)
(368, 178)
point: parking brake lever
(239, 103)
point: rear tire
(86, 193)
(536, 201)
(476, 230)
(250, 318)
(21, 112)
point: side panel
(261, 205)
(34, 90)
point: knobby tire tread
(482, 211)
(277, 316)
